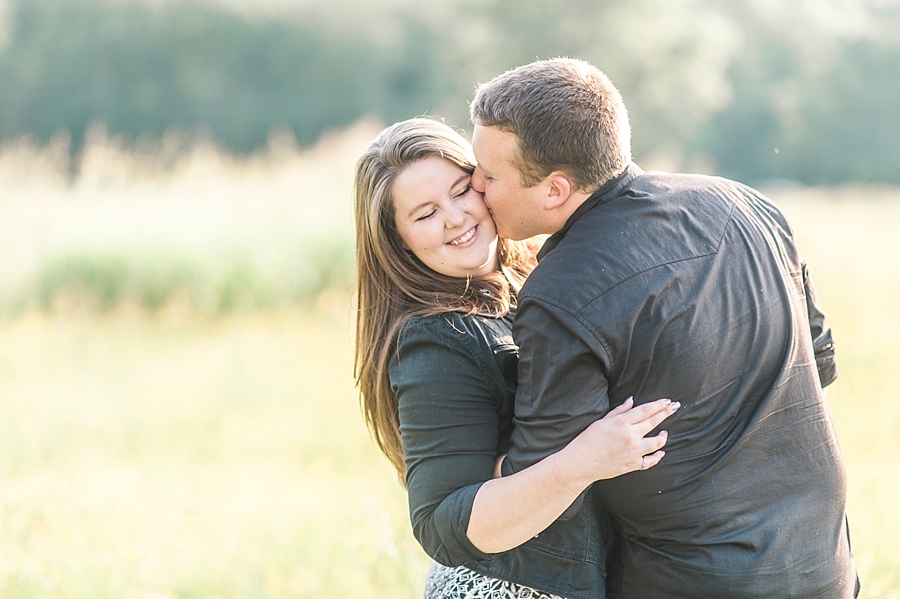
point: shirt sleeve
(449, 426)
(562, 383)
(823, 342)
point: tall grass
(175, 220)
(151, 451)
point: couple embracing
(516, 389)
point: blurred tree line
(751, 89)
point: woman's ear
(559, 190)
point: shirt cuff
(451, 519)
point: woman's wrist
(568, 469)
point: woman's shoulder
(457, 346)
(459, 328)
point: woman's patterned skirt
(462, 583)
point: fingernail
(676, 405)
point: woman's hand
(615, 444)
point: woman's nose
(454, 215)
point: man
(680, 286)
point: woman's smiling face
(443, 221)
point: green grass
(102, 280)
(210, 230)
(193, 458)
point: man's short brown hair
(567, 115)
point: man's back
(691, 288)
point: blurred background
(178, 415)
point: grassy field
(193, 449)
(192, 458)
(150, 222)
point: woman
(436, 366)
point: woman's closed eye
(465, 190)
(427, 216)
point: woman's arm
(447, 398)
(449, 425)
(510, 510)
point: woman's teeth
(464, 238)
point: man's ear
(559, 190)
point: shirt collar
(607, 191)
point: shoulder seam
(577, 318)
(446, 325)
(530, 294)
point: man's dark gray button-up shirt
(692, 288)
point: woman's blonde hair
(393, 285)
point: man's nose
(478, 180)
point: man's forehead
(493, 143)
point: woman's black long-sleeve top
(454, 378)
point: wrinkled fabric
(692, 288)
(454, 378)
